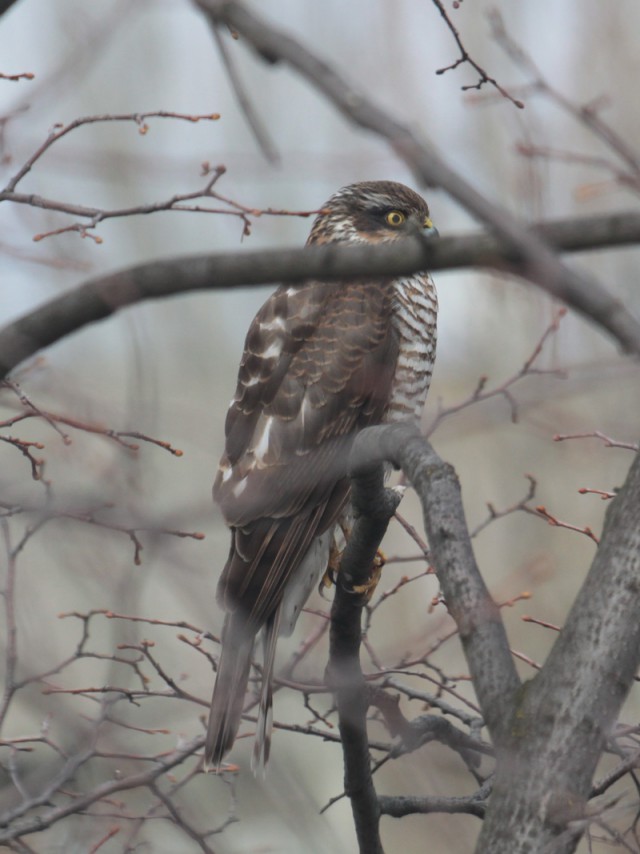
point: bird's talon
(369, 587)
(328, 579)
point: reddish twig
(415, 536)
(586, 114)
(558, 523)
(37, 463)
(89, 518)
(176, 624)
(25, 75)
(402, 582)
(109, 835)
(54, 420)
(60, 130)
(481, 393)
(526, 618)
(526, 658)
(95, 216)
(596, 434)
(604, 495)
(521, 505)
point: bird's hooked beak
(429, 228)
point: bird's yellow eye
(394, 218)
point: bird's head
(372, 212)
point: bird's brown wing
(317, 367)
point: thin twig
(262, 136)
(465, 57)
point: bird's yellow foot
(333, 567)
(338, 544)
(369, 587)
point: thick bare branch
(401, 805)
(565, 714)
(98, 299)
(537, 261)
(5, 5)
(373, 507)
(550, 733)
(477, 616)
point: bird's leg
(335, 557)
(375, 573)
(369, 587)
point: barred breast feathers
(414, 318)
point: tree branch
(100, 298)
(565, 714)
(549, 733)
(373, 507)
(465, 57)
(260, 132)
(538, 263)
(586, 114)
(476, 615)
(5, 5)
(400, 805)
(39, 822)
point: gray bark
(100, 298)
(549, 732)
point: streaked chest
(415, 315)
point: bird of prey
(321, 361)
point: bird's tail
(229, 691)
(262, 743)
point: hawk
(321, 361)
